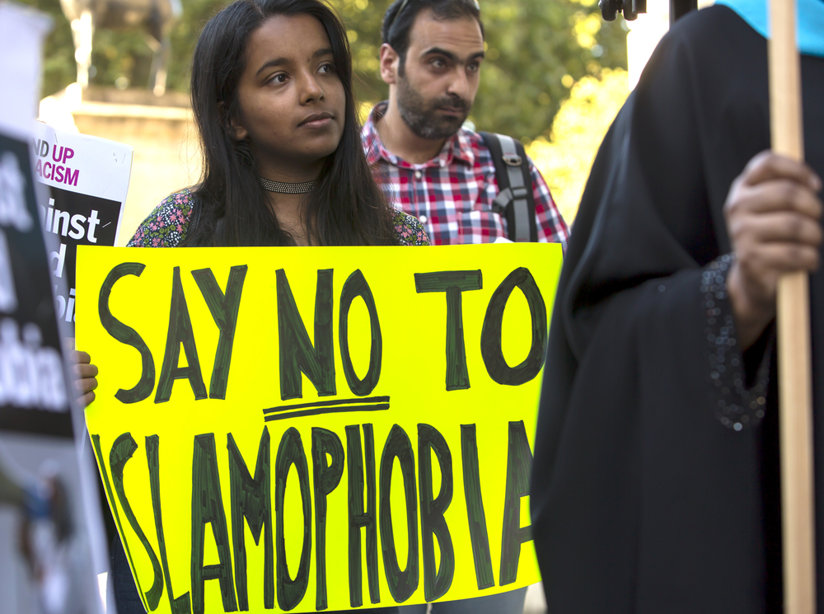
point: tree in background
(536, 51)
(579, 127)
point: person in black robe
(655, 482)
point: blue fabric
(809, 21)
(35, 502)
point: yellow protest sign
(296, 429)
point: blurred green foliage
(536, 51)
(565, 158)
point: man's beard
(424, 120)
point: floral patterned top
(166, 226)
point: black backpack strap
(515, 199)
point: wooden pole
(793, 324)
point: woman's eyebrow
(282, 60)
(452, 56)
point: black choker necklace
(286, 188)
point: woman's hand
(773, 218)
(85, 377)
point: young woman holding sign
(282, 159)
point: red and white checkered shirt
(452, 193)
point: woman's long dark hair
(345, 207)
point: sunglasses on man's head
(403, 6)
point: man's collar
(457, 147)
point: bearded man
(423, 155)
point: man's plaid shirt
(452, 193)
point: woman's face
(291, 100)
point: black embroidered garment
(655, 477)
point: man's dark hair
(401, 14)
